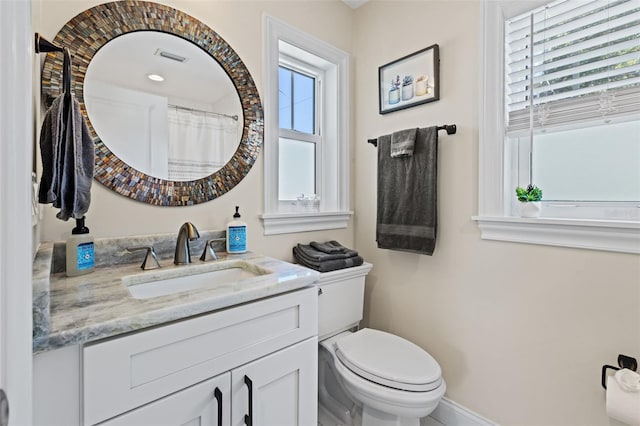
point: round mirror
(163, 105)
(166, 160)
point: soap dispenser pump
(80, 250)
(236, 234)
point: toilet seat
(388, 360)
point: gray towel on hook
(402, 142)
(67, 152)
(407, 209)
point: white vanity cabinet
(259, 359)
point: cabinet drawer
(124, 373)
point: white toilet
(368, 377)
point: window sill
(288, 223)
(618, 236)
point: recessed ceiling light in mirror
(155, 77)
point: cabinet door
(279, 389)
(205, 404)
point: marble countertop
(74, 310)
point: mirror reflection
(163, 105)
(87, 34)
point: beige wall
(521, 331)
(240, 24)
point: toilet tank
(341, 299)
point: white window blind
(586, 63)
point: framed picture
(410, 81)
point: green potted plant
(529, 204)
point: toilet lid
(389, 360)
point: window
(297, 98)
(306, 131)
(561, 109)
(299, 136)
(575, 91)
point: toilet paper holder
(624, 361)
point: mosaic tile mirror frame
(86, 33)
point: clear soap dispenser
(236, 234)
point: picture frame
(409, 81)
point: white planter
(529, 208)
(407, 92)
(421, 86)
(394, 96)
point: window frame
(494, 218)
(334, 110)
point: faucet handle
(208, 253)
(149, 250)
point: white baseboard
(450, 413)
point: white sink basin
(224, 275)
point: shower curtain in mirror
(199, 143)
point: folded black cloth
(320, 256)
(330, 247)
(326, 265)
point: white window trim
(276, 222)
(493, 218)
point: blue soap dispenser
(236, 234)
(80, 251)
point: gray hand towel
(51, 133)
(327, 265)
(330, 247)
(402, 143)
(407, 209)
(67, 152)
(318, 256)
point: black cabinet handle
(218, 394)
(248, 418)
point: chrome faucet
(151, 253)
(209, 253)
(187, 232)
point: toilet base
(373, 417)
(366, 417)
(326, 418)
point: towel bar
(450, 128)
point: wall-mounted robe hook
(43, 45)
